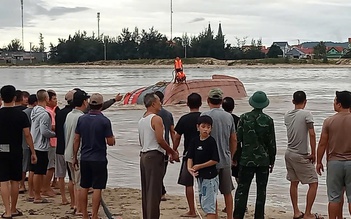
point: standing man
(60, 163)
(41, 131)
(223, 131)
(299, 162)
(168, 124)
(80, 102)
(152, 154)
(32, 102)
(187, 126)
(257, 137)
(336, 137)
(51, 108)
(13, 123)
(93, 131)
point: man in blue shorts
(202, 159)
(94, 130)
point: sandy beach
(125, 203)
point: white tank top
(147, 135)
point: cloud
(10, 16)
(197, 20)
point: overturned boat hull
(176, 93)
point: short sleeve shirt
(93, 129)
(187, 125)
(202, 151)
(297, 130)
(12, 123)
(223, 126)
(168, 121)
(52, 112)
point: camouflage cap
(215, 93)
(259, 100)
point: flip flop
(30, 199)
(3, 216)
(317, 216)
(17, 214)
(300, 217)
(43, 201)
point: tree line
(151, 44)
(144, 44)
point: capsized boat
(177, 93)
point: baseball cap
(96, 99)
(215, 93)
(80, 95)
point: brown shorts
(299, 168)
(225, 180)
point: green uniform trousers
(246, 175)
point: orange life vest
(178, 64)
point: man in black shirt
(60, 164)
(202, 159)
(187, 126)
(13, 122)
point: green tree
(274, 52)
(320, 50)
(41, 43)
(14, 46)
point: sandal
(317, 216)
(43, 201)
(300, 217)
(17, 214)
(3, 216)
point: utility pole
(22, 23)
(98, 19)
(30, 52)
(171, 19)
(185, 43)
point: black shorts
(93, 174)
(235, 170)
(178, 70)
(10, 167)
(185, 178)
(41, 166)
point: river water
(319, 84)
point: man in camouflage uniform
(256, 133)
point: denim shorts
(208, 190)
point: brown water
(279, 84)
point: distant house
(22, 57)
(336, 52)
(265, 49)
(284, 46)
(298, 53)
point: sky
(271, 20)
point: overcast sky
(272, 20)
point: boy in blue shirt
(202, 159)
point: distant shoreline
(191, 66)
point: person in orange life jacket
(178, 67)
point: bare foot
(65, 202)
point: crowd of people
(219, 145)
(46, 142)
